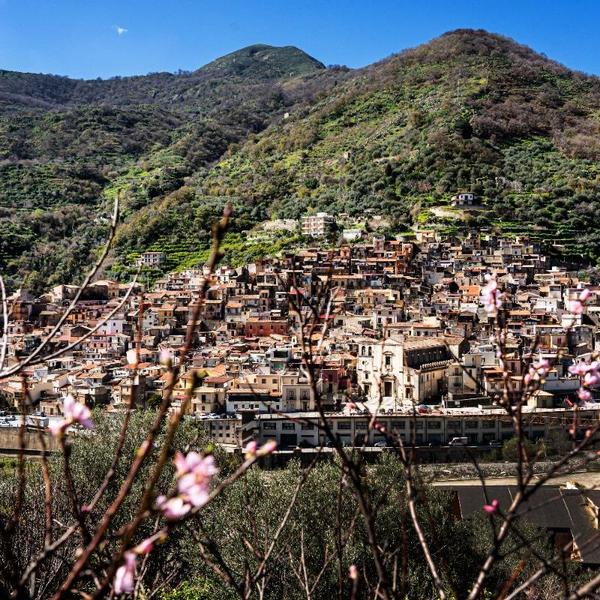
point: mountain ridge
(62, 91)
(277, 133)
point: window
(344, 425)
(434, 424)
(360, 425)
(471, 424)
(488, 424)
(288, 426)
(269, 426)
(307, 426)
(388, 360)
(398, 424)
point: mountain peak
(265, 62)
(465, 43)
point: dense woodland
(324, 528)
(279, 134)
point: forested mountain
(279, 134)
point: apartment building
(318, 225)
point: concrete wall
(9, 441)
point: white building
(402, 370)
(479, 425)
(150, 259)
(351, 235)
(464, 199)
(318, 225)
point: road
(587, 480)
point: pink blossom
(145, 546)
(537, 370)
(195, 473)
(193, 489)
(174, 508)
(584, 395)
(250, 449)
(193, 462)
(267, 448)
(491, 508)
(74, 412)
(124, 580)
(165, 357)
(353, 572)
(492, 284)
(125, 576)
(492, 298)
(590, 376)
(56, 429)
(253, 450)
(575, 307)
(580, 368)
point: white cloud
(120, 30)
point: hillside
(67, 146)
(467, 111)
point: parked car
(459, 441)
(305, 444)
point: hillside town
(402, 332)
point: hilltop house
(464, 199)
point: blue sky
(102, 38)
